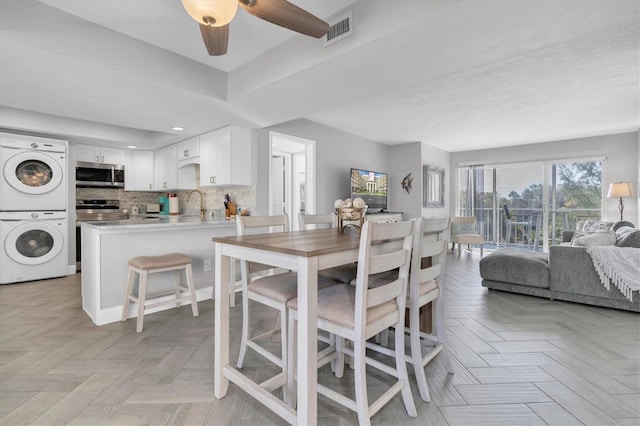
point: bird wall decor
(406, 183)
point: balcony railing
(530, 233)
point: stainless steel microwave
(100, 175)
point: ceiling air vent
(339, 29)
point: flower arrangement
(350, 213)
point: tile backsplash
(244, 197)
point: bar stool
(145, 265)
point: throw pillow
(607, 238)
(591, 226)
(458, 228)
(588, 227)
(619, 224)
(627, 236)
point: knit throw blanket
(617, 265)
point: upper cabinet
(189, 151)
(225, 157)
(168, 173)
(138, 171)
(100, 154)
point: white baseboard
(114, 314)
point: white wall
(336, 153)
(621, 151)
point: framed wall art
(433, 186)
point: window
(529, 205)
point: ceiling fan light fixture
(212, 13)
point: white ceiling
(458, 75)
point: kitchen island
(107, 247)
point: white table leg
(221, 322)
(307, 340)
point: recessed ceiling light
(177, 128)
(131, 146)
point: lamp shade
(213, 13)
(619, 189)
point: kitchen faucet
(202, 208)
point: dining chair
(358, 312)
(426, 285)
(343, 273)
(268, 285)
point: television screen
(371, 187)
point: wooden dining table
(305, 252)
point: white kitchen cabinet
(100, 154)
(189, 151)
(171, 174)
(138, 171)
(386, 217)
(225, 157)
(166, 168)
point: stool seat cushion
(164, 261)
(516, 267)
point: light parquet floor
(518, 360)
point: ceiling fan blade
(216, 39)
(287, 15)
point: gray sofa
(566, 273)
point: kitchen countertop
(159, 221)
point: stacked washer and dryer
(33, 208)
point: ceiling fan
(214, 17)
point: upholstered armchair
(464, 231)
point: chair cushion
(282, 287)
(342, 274)
(337, 304)
(164, 261)
(458, 228)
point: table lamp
(619, 189)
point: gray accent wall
(439, 158)
(405, 159)
(621, 151)
(336, 153)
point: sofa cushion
(607, 238)
(627, 236)
(517, 267)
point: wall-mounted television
(371, 187)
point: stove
(99, 210)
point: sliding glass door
(528, 205)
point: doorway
(292, 188)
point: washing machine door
(33, 172)
(33, 243)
